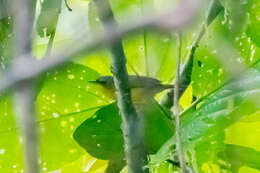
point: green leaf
(147, 53)
(6, 34)
(47, 20)
(11, 143)
(65, 100)
(206, 120)
(101, 135)
(239, 156)
(254, 23)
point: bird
(142, 87)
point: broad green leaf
(101, 135)
(240, 156)
(254, 22)
(85, 163)
(6, 34)
(11, 143)
(203, 124)
(148, 53)
(211, 62)
(66, 98)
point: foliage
(79, 123)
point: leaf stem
(176, 108)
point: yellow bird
(142, 87)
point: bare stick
(176, 109)
(180, 17)
(26, 109)
(24, 93)
(132, 128)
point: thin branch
(176, 109)
(185, 75)
(19, 72)
(132, 128)
(24, 93)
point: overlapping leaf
(101, 135)
(203, 124)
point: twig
(176, 109)
(24, 93)
(132, 128)
(50, 43)
(185, 75)
(19, 72)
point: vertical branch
(185, 75)
(26, 109)
(135, 153)
(24, 94)
(176, 109)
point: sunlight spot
(55, 115)
(42, 129)
(22, 170)
(71, 127)
(66, 110)
(42, 113)
(44, 107)
(84, 71)
(166, 39)
(214, 51)
(72, 119)
(87, 87)
(72, 151)
(71, 76)
(68, 71)
(55, 78)
(14, 166)
(98, 145)
(20, 139)
(81, 78)
(2, 151)
(99, 121)
(220, 72)
(53, 95)
(5, 114)
(53, 101)
(78, 110)
(76, 104)
(63, 123)
(210, 71)
(47, 98)
(79, 86)
(79, 96)
(44, 169)
(99, 101)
